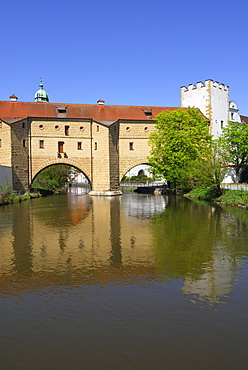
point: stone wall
(114, 156)
(100, 157)
(104, 153)
(5, 154)
(76, 148)
(133, 144)
(19, 153)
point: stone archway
(47, 163)
(71, 163)
(131, 165)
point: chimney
(100, 102)
(13, 97)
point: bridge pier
(108, 193)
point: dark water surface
(130, 282)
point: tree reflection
(196, 243)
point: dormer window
(148, 113)
(61, 110)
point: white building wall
(195, 96)
(219, 107)
(234, 112)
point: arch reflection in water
(96, 240)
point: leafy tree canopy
(180, 146)
(52, 178)
(234, 143)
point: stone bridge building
(102, 141)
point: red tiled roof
(244, 119)
(12, 111)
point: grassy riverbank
(11, 197)
(228, 197)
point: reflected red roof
(12, 111)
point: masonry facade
(103, 142)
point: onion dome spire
(41, 95)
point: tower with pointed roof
(41, 95)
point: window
(24, 143)
(23, 124)
(146, 129)
(42, 144)
(0, 143)
(130, 146)
(127, 128)
(232, 114)
(41, 127)
(61, 110)
(57, 127)
(221, 124)
(67, 130)
(97, 128)
(95, 146)
(79, 146)
(61, 147)
(148, 113)
(81, 128)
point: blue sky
(127, 52)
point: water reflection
(124, 239)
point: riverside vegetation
(8, 195)
(228, 197)
(192, 162)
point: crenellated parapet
(208, 83)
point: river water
(130, 282)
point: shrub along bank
(8, 197)
(228, 197)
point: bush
(234, 197)
(205, 193)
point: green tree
(234, 143)
(180, 147)
(52, 178)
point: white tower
(212, 98)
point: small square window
(79, 146)
(42, 144)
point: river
(130, 282)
